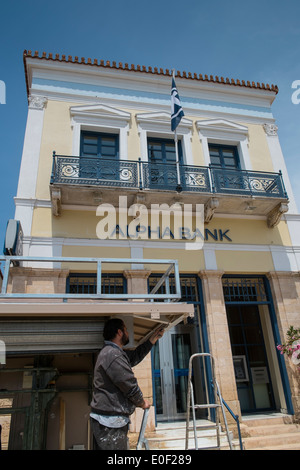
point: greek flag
(176, 109)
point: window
(99, 157)
(162, 163)
(225, 165)
(224, 156)
(83, 283)
(163, 151)
(104, 146)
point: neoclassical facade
(98, 141)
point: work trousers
(109, 438)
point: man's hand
(156, 335)
(146, 405)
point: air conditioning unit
(13, 243)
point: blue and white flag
(176, 108)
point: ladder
(217, 405)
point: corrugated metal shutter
(51, 335)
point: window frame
(99, 136)
(164, 141)
(221, 148)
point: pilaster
(285, 288)
(218, 336)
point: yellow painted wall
(258, 149)
(244, 261)
(252, 232)
(96, 252)
(83, 224)
(57, 135)
(188, 260)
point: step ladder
(217, 405)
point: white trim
(284, 258)
(30, 162)
(279, 165)
(159, 124)
(100, 118)
(223, 131)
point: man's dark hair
(111, 328)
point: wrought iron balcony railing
(145, 175)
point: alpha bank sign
(159, 222)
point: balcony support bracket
(275, 215)
(210, 208)
(55, 201)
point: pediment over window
(161, 118)
(221, 125)
(99, 111)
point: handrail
(141, 174)
(235, 417)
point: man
(116, 391)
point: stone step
(267, 420)
(259, 442)
(274, 429)
(171, 436)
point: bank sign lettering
(159, 222)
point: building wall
(135, 106)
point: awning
(146, 316)
(146, 310)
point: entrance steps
(270, 432)
(171, 436)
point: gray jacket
(116, 391)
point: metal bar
(6, 274)
(99, 274)
(173, 264)
(142, 440)
(162, 280)
(177, 280)
(85, 260)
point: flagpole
(178, 187)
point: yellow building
(107, 213)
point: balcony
(220, 190)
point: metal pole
(178, 187)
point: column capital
(210, 273)
(282, 274)
(136, 273)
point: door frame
(275, 332)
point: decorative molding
(275, 215)
(270, 129)
(100, 110)
(37, 102)
(207, 127)
(162, 118)
(100, 118)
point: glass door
(162, 163)
(99, 156)
(170, 369)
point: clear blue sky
(255, 41)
